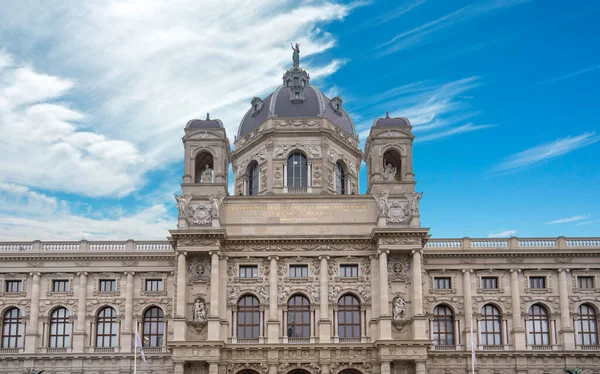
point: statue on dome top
(296, 55)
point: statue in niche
(389, 171)
(182, 203)
(399, 308)
(207, 174)
(296, 55)
(199, 310)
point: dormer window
(336, 104)
(257, 105)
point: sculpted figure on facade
(389, 171)
(413, 202)
(216, 201)
(296, 55)
(381, 199)
(399, 308)
(182, 203)
(206, 176)
(199, 310)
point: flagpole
(135, 350)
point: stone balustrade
(86, 246)
(513, 243)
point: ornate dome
(204, 124)
(387, 121)
(296, 98)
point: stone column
(566, 330)
(285, 171)
(214, 322)
(309, 174)
(468, 302)
(79, 333)
(179, 368)
(273, 322)
(385, 367)
(179, 321)
(420, 367)
(385, 320)
(419, 320)
(324, 321)
(32, 335)
(374, 296)
(181, 284)
(129, 325)
(518, 331)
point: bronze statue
(296, 55)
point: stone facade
(299, 273)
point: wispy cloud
(431, 30)
(392, 14)
(571, 75)
(567, 220)
(435, 110)
(502, 234)
(583, 223)
(539, 154)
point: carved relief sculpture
(199, 310)
(413, 202)
(182, 203)
(381, 199)
(399, 308)
(216, 201)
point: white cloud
(429, 31)
(567, 220)
(584, 223)
(571, 75)
(503, 234)
(539, 154)
(29, 215)
(135, 72)
(468, 127)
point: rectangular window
(248, 271)
(13, 286)
(154, 285)
(442, 283)
(60, 285)
(585, 282)
(537, 282)
(107, 285)
(489, 283)
(349, 271)
(298, 271)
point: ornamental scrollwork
(198, 269)
(261, 368)
(401, 241)
(399, 269)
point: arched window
(203, 169)
(60, 329)
(340, 179)
(349, 317)
(443, 327)
(248, 315)
(537, 325)
(490, 325)
(12, 328)
(297, 170)
(153, 327)
(253, 179)
(106, 328)
(587, 325)
(298, 317)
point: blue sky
(502, 95)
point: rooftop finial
(387, 114)
(296, 55)
(207, 117)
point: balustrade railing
(87, 246)
(298, 340)
(514, 243)
(588, 347)
(444, 348)
(10, 351)
(297, 190)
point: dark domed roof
(280, 104)
(387, 121)
(204, 124)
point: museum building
(299, 273)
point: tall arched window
(60, 329)
(443, 327)
(340, 179)
(490, 325)
(106, 328)
(349, 317)
(153, 327)
(587, 325)
(298, 317)
(297, 170)
(248, 318)
(253, 179)
(12, 328)
(537, 325)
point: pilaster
(128, 329)
(273, 322)
(385, 319)
(468, 302)
(214, 322)
(566, 331)
(79, 333)
(518, 332)
(324, 321)
(32, 334)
